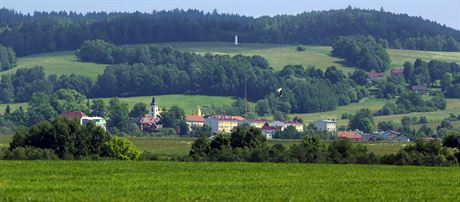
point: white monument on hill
(236, 40)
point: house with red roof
(351, 135)
(373, 75)
(395, 72)
(268, 131)
(150, 123)
(194, 121)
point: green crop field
(59, 63)
(182, 181)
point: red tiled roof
(194, 118)
(267, 127)
(397, 71)
(374, 74)
(259, 121)
(348, 135)
(292, 122)
(227, 117)
(73, 115)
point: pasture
(279, 55)
(185, 181)
(374, 104)
(186, 102)
(59, 63)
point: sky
(442, 11)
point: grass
(186, 102)
(182, 181)
(279, 55)
(374, 104)
(59, 63)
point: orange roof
(348, 135)
(73, 115)
(194, 118)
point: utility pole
(245, 95)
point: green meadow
(186, 181)
(186, 102)
(59, 63)
(279, 55)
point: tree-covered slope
(45, 32)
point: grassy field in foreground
(186, 102)
(59, 63)
(181, 181)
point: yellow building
(223, 123)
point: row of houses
(357, 135)
(228, 123)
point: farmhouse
(395, 72)
(222, 123)
(373, 75)
(256, 123)
(84, 119)
(351, 135)
(268, 131)
(420, 89)
(195, 120)
(284, 124)
(327, 125)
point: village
(225, 124)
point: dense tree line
(364, 52)
(248, 144)
(7, 58)
(413, 102)
(20, 86)
(67, 139)
(53, 31)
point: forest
(55, 31)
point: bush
(300, 48)
(29, 153)
(122, 148)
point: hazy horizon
(443, 11)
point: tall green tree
(118, 117)
(363, 120)
(138, 110)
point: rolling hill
(278, 56)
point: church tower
(154, 108)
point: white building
(154, 109)
(84, 119)
(327, 125)
(284, 124)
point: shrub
(122, 148)
(29, 153)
